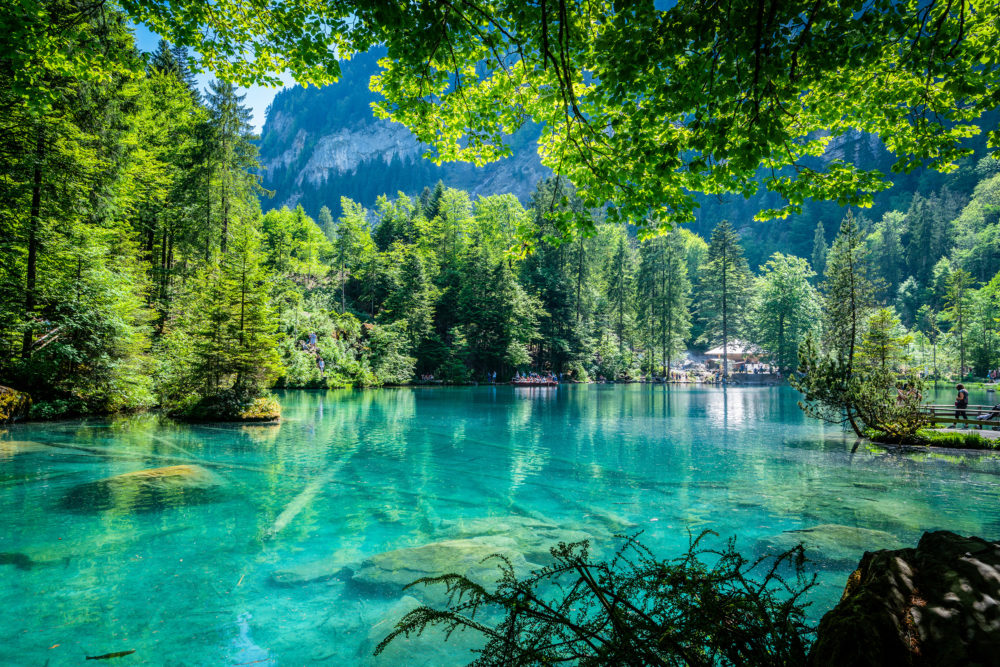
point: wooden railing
(978, 415)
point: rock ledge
(938, 604)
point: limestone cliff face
(343, 151)
(319, 144)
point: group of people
(533, 378)
(311, 346)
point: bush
(631, 610)
(577, 371)
(232, 404)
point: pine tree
(233, 153)
(619, 278)
(958, 306)
(325, 222)
(819, 250)
(674, 313)
(726, 289)
(849, 298)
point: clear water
(191, 579)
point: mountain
(319, 144)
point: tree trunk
(725, 313)
(34, 221)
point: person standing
(322, 366)
(961, 403)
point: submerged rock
(11, 448)
(319, 570)
(833, 542)
(532, 537)
(14, 405)
(18, 560)
(389, 572)
(938, 604)
(429, 649)
(146, 489)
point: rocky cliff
(319, 144)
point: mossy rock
(14, 405)
(11, 448)
(229, 405)
(146, 490)
(390, 571)
(937, 604)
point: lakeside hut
(739, 352)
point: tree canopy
(642, 106)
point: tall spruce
(619, 279)
(726, 289)
(234, 153)
(958, 308)
(819, 250)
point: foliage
(786, 309)
(706, 607)
(726, 293)
(957, 439)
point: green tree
(233, 154)
(726, 289)
(619, 277)
(788, 307)
(819, 249)
(352, 245)
(957, 308)
(326, 223)
(827, 374)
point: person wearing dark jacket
(961, 403)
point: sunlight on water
(254, 545)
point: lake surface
(251, 570)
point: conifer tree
(828, 384)
(819, 250)
(726, 289)
(233, 153)
(674, 313)
(325, 222)
(958, 306)
(619, 278)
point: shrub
(631, 610)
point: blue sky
(258, 97)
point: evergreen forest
(137, 268)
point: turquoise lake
(259, 569)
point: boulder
(830, 542)
(937, 604)
(151, 489)
(324, 569)
(11, 448)
(532, 537)
(390, 571)
(14, 405)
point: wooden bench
(945, 414)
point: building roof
(735, 349)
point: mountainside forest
(320, 144)
(137, 268)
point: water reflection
(260, 564)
